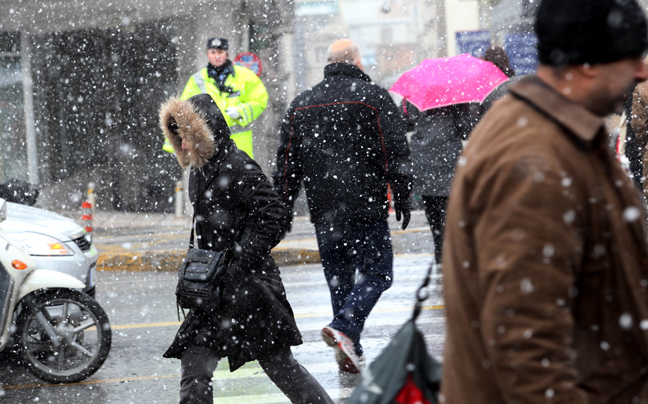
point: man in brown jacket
(546, 263)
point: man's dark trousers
(364, 246)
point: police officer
(238, 92)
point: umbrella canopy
(440, 82)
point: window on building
(259, 36)
(386, 35)
(10, 42)
(321, 54)
(529, 8)
(13, 154)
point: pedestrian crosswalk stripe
(276, 398)
(303, 315)
(265, 398)
(253, 369)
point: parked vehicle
(61, 334)
(19, 191)
(54, 242)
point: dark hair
(497, 56)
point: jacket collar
(345, 69)
(225, 69)
(206, 174)
(576, 119)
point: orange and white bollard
(179, 200)
(86, 216)
(91, 197)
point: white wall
(461, 15)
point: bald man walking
(344, 138)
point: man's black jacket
(345, 138)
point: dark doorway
(97, 94)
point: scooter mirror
(3, 210)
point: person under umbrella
(435, 148)
(498, 56)
(440, 107)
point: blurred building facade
(394, 35)
(81, 80)
(504, 17)
(509, 23)
(81, 83)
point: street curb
(169, 261)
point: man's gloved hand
(286, 229)
(233, 112)
(403, 207)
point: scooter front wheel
(63, 335)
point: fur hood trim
(181, 120)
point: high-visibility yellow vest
(249, 97)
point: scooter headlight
(40, 244)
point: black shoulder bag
(199, 277)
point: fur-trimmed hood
(200, 123)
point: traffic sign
(249, 60)
(522, 52)
(473, 42)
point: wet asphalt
(141, 307)
(146, 242)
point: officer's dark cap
(217, 43)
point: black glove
(403, 208)
(406, 211)
(287, 228)
(242, 260)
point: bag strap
(198, 198)
(422, 292)
(191, 236)
(191, 239)
(178, 308)
(191, 245)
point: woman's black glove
(243, 260)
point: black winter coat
(236, 209)
(436, 145)
(345, 138)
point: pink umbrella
(439, 82)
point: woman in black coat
(435, 148)
(237, 210)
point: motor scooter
(60, 334)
